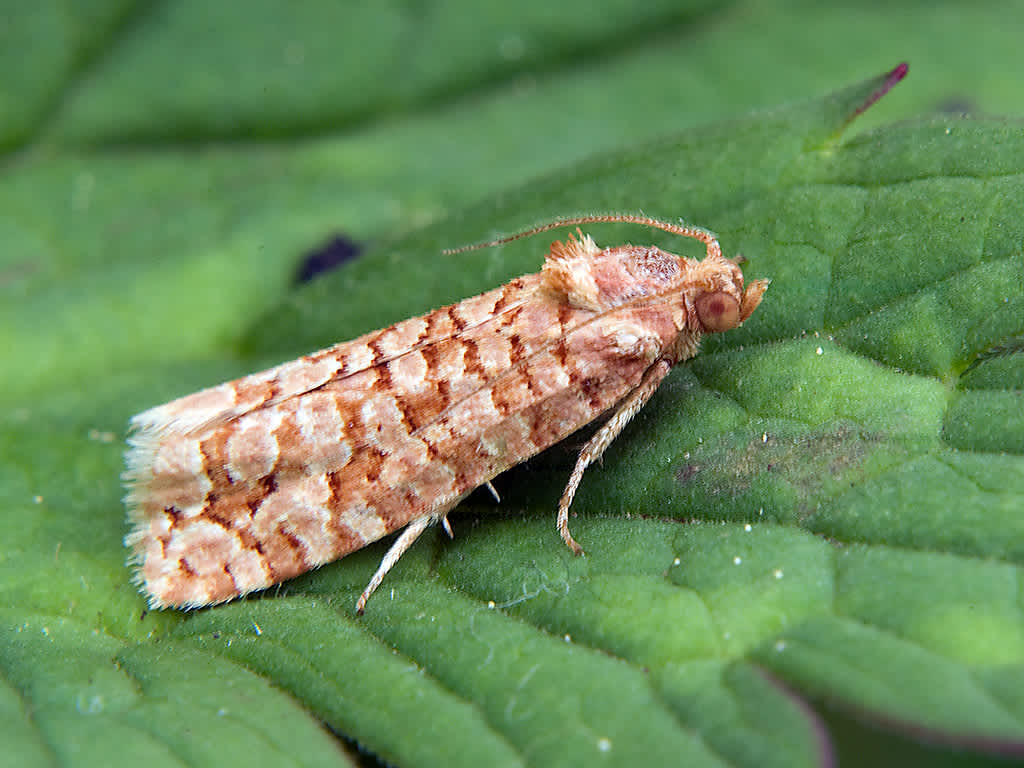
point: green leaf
(815, 525)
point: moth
(244, 485)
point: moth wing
(211, 408)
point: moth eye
(718, 312)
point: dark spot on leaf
(332, 254)
(686, 473)
(956, 105)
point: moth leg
(493, 490)
(402, 543)
(629, 407)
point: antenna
(714, 249)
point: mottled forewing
(234, 488)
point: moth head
(721, 310)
